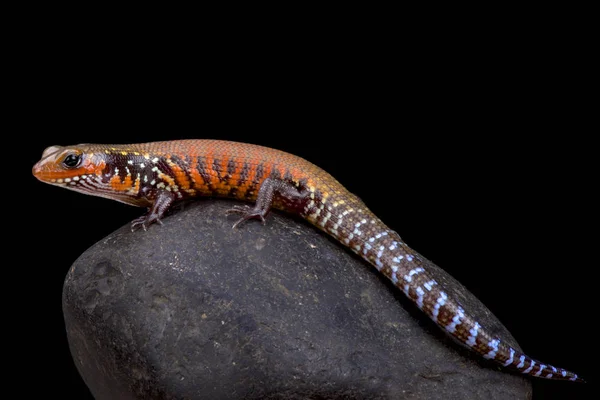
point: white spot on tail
(155, 160)
(409, 257)
(324, 220)
(456, 320)
(511, 358)
(397, 259)
(408, 278)
(142, 165)
(528, 370)
(439, 303)
(542, 366)
(574, 378)
(521, 362)
(474, 331)
(430, 284)
(380, 253)
(494, 345)
(130, 162)
(420, 294)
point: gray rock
(196, 310)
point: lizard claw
(238, 209)
(144, 222)
(247, 213)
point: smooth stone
(194, 309)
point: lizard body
(156, 175)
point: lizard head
(90, 169)
(69, 166)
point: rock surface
(196, 310)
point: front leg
(271, 187)
(161, 204)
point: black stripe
(112, 162)
(203, 171)
(231, 165)
(260, 171)
(244, 174)
(254, 186)
(164, 167)
(184, 164)
(219, 170)
(275, 174)
(288, 176)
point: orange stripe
(180, 177)
(167, 178)
(59, 173)
(117, 185)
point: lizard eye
(72, 160)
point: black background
(473, 148)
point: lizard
(158, 174)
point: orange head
(83, 168)
(63, 165)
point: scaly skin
(158, 174)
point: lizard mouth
(42, 172)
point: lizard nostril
(37, 169)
